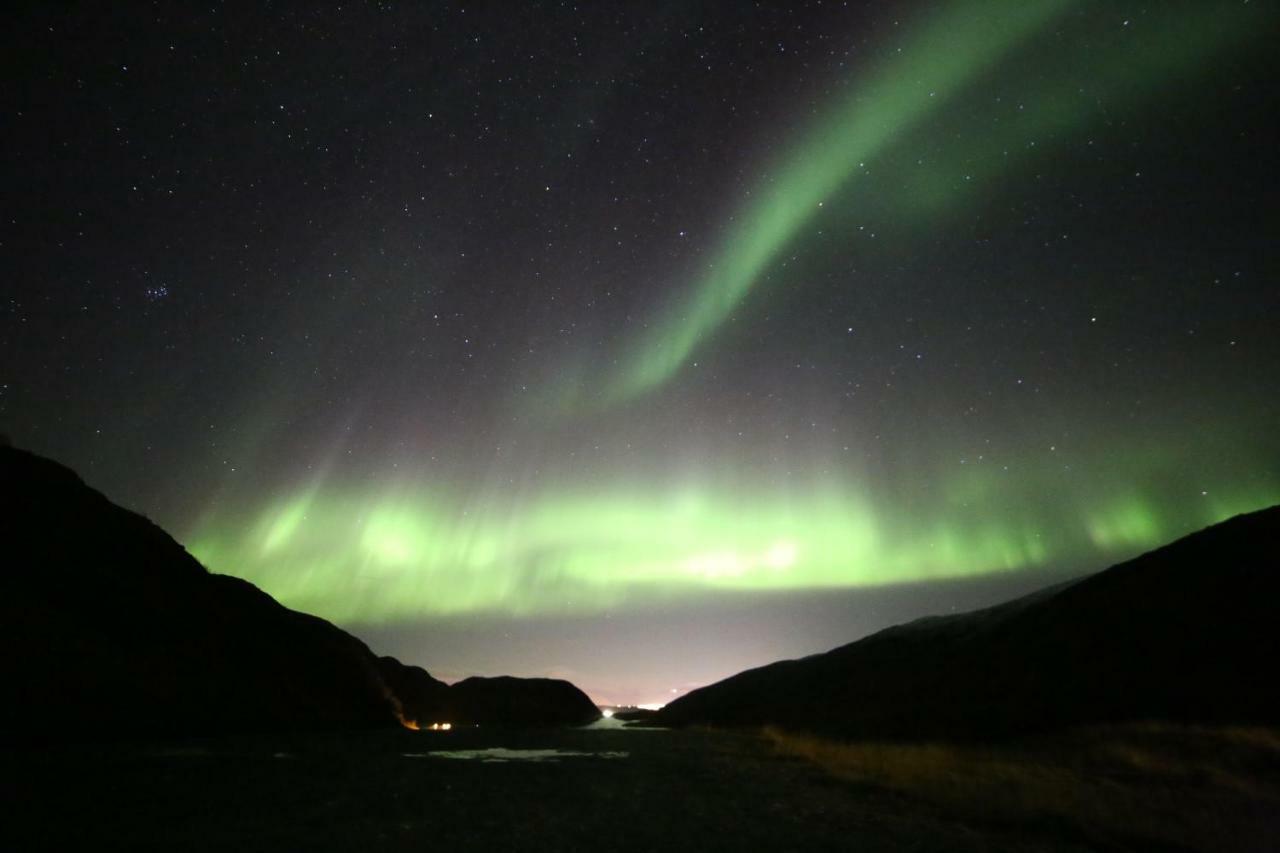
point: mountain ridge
(115, 630)
(1181, 633)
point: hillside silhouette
(114, 630)
(1188, 633)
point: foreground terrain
(625, 790)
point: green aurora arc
(574, 539)
(847, 155)
(405, 550)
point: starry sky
(642, 343)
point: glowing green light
(407, 550)
(574, 539)
(1126, 523)
(905, 98)
(944, 55)
(281, 528)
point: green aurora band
(847, 156)
(578, 540)
(403, 551)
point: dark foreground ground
(674, 790)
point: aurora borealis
(398, 551)
(641, 346)
(961, 42)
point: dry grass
(1198, 788)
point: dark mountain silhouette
(502, 701)
(114, 630)
(537, 701)
(422, 698)
(1186, 633)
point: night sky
(642, 343)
